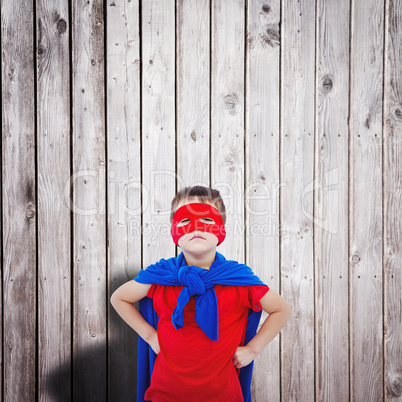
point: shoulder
(254, 291)
(131, 291)
(157, 290)
(242, 288)
(245, 295)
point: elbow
(113, 299)
(287, 311)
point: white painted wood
(262, 172)
(54, 244)
(393, 201)
(331, 201)
(124, 184)
(365, 201)
(297, 169)
(227, 119)
(158, 127)
(89, 219)
(18, 201)
(193, 86)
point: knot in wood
(193, 136)
(355, 259)
(327, 84)
(11, 74)
(395, 387)
(266, 8)
(230, 101)
(397, 112)
(30, 213)
(270, 36)
(41, 50)
(62, 26)
(230, 162)
(368, 121)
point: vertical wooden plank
(124, 184)
(262, 171)
(331, 201)
(393, 200)
(158, 127)
(193, 70)
(365, 248)
(54, 273)
(227, 118)
(297, 169)
(19, 199)
(88, 181)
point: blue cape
(199, 282)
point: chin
(198, 249)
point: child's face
(197, 241)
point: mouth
(197, 237)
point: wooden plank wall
(54, 245)
(292, 109)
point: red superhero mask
(194, 212)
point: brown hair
(204, 194)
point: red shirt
(190, 367)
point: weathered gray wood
(88, 182)
(19, 199)
(262, 172)
(158, 127)
(227, 118)
(54, 273)
(124, 178)
(331, 201)
(297, 169)
(393, 201)
(365, 201)
(255, 156)
(192, 105)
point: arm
(279, 312)
(123, 300)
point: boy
(203, 302)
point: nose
(197, 233)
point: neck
(204, 260)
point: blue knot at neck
(190, 278)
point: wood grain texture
(331, 201)
(158, 127)
(193, 85)
(262, 172)
(89, 248)
(19, 201)
(124, 184)
(393, 201)
(296, 195)
(54, 272)
(227, 118)
(365, 201)
(321, 228)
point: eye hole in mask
(186, 221)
